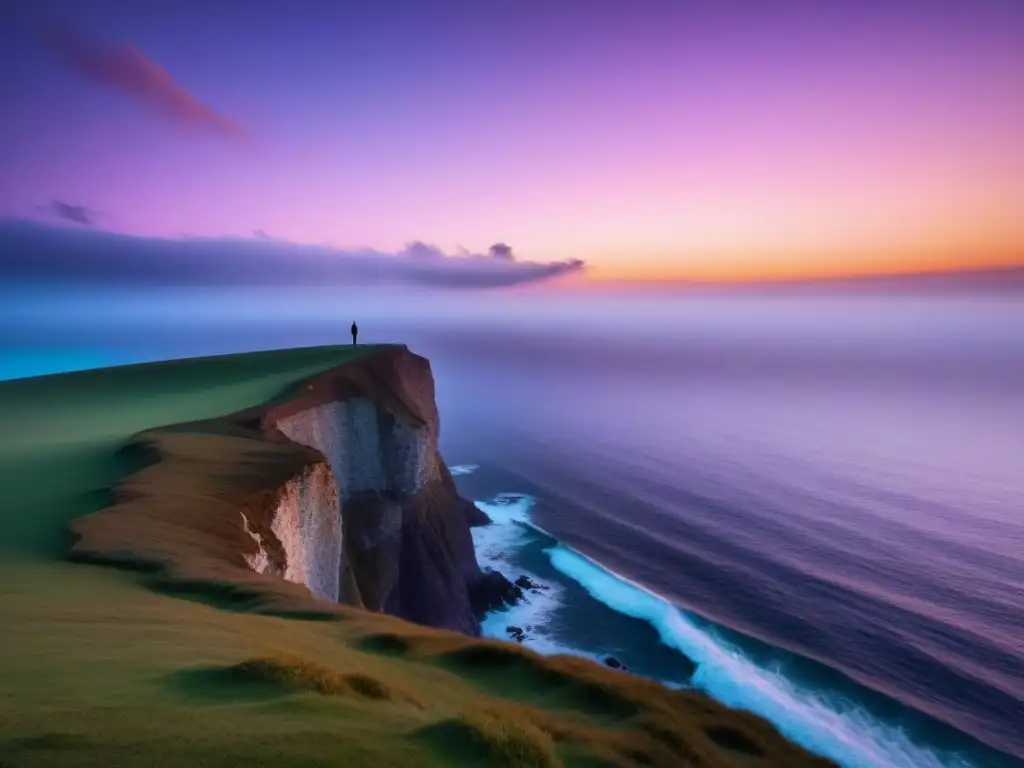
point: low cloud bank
(40, 253)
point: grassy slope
(96, 669)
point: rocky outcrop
(493, 592)
(403, 544)
(611, 661)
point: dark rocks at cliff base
(410, 556)
(525, 582)
(614, 663)
(436, 565)
(516, 633)
(475, 517)
(492, 592)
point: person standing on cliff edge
(355, 332)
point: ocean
(809, 505)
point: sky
(603, 141)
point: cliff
(339, 487)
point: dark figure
(355, 332)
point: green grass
(61, 434)
(98, 668)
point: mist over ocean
(818, 497)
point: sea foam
(495, 545)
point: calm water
(819, 500)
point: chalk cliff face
(307, 523)
(380, 525)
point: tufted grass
(497, 739)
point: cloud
(39, 253)
(78, 214)
(501, 251)
(421, 250)
(126, 69)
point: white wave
(828, 726)
(510, 520)
(495, 543)
(463, 469)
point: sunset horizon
(691, 143)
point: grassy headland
(98, 668)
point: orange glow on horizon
(796, 267)
(787, 254)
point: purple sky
(650, 139)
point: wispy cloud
(127, 69)
(57, 254)
(77, 214)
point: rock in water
(492, 592)
(475, 516)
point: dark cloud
(260, 234)
(35, 252)
(420, 250)
(502, 251)
(126, 69)
(78, 214)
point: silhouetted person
(355, 332)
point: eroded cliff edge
(336, 494)
(405, 542)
